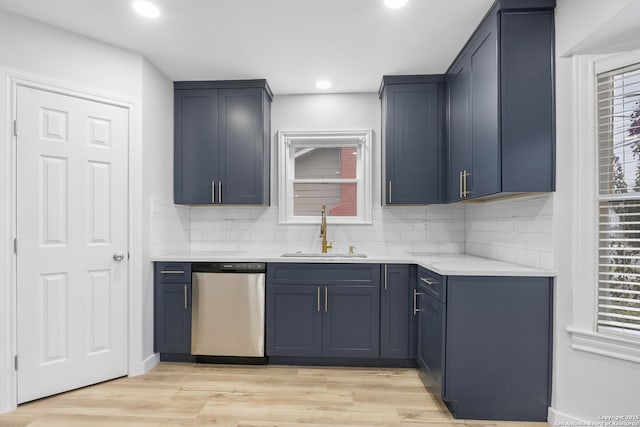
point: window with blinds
(618, 115)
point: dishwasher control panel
(228, 267)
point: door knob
(118, 256)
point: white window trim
(584, 331)
(285, 169)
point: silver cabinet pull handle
(220, 192)
(427, 281)
(185, 297)
(460, 185)
(213, 191)
(171, 272)
(389, 192)
(326, 298)
(415, 301)
(318, 299)
(385, 277)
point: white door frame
(8, 283)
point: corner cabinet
(323, 310)
(221, 142)
(172, 309)
(485, 344)
(501, 128)
(413, 117)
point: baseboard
(150, 362)
(557, 418)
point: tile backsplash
(516, 230)
(413, 229)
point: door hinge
(15, 127)
(15, 362)
(15, 246)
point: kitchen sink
(321, 255)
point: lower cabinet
(397, 316)
(498, 347)
(431, 310)
(323, 321)
(485, 344)
(323, 310)
(172, 311)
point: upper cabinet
(413, 117)
(501, 129)
(221, 142)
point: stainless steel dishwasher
(228, 309)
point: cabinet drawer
(323, 274)
(173, 272)
(432, 283)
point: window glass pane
(619, 204)
(340, 199)
(619, 132)
(325, 162)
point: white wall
(585, 385)
(157, 185)
(41, 52)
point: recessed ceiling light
(395, 4)
(323, 84)
(146, 8)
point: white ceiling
(291, 43)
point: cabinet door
(485, 137)
(397, 323)
(241, 154)
(173, 317)
(431, 337)
(413, 143)
(459, 142)
(294, 320)
(195, 145)
(351, 323)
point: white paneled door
(72, 242)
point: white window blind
(618, 98)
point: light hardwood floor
(249, 396)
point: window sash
(357, 140)
(618, 133)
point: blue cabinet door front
(397, 322)
(195, 145)
(413, 143)
(173, 318)
(294, 320)
(241, 154)
(351, 323)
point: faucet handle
(351, 249)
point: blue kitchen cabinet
(397, 317)
(413, 117)
(221, 142)
(497, 357)
(501, 129)
(323, 310)
(430, 306)
(172, 309)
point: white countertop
(445, 264)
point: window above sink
(325, 168)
